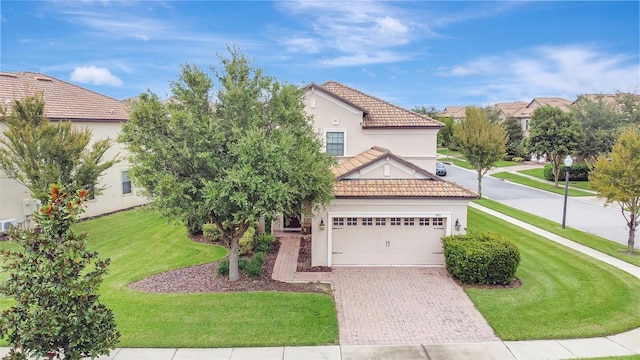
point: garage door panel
(401, 244)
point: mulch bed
(304, 257)
(204, 278)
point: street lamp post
(568, 161)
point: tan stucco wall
(415, 145)
(13, 195)
(449, 209)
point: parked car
(440, 169)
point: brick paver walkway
(392, 305)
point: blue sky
(426, 53)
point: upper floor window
(126, 183)
(335, 143)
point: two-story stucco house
(85, 108)
(389, 207)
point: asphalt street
(584, 213)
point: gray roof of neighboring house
(63, 101)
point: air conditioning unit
(6, 224)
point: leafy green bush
(508, 157)
(211, 232)
(481, 258)
(263, 242)
(578, 172)
(54, 281)
(223, 267)
(245, 244)
(253, 267)
(517, 159)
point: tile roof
(401, 188)
(378, 113)
(63, 101)
(560, 103)
(369, 157)
(457, 112)
(430, 187)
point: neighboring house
(457, 113)
(85, 108)
(389, 207)
(522, 111)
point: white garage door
(387, 241)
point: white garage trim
(331, 215)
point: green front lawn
(564, 294)
(595, 242)
(141, 243)
(546, 186)
(539, 173)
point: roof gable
(354, 180)
(377, 113)
(63, 101)
(373, 158)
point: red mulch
(304, 258)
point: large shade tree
(617, 179)
(253, 152)
(37, 152)
(481, 141)
(600, 122)
(554, 134)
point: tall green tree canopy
(617, 179)
(600, 123)
(481, 141)
(515, 137)
(37, 153)
(554, 134)
(251, 153)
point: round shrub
(481, 258)
(578, 172)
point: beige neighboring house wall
(85, 108)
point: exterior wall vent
(336, 121)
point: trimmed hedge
(578, 172)
(481, 258)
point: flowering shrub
(54, 280)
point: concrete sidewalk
(618, 345)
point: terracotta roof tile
(401, 188)
(379, 113)
(63, 101)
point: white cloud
(548, 71)
(94, 75)
(349, 29)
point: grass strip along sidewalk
(595, 242)
(523, 180)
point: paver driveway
(393, 305)
(405, 305)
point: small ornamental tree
(36, 152)
(481, 141)
(54, 281)
(617, 179)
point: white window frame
(344, 139)
(122, 182)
